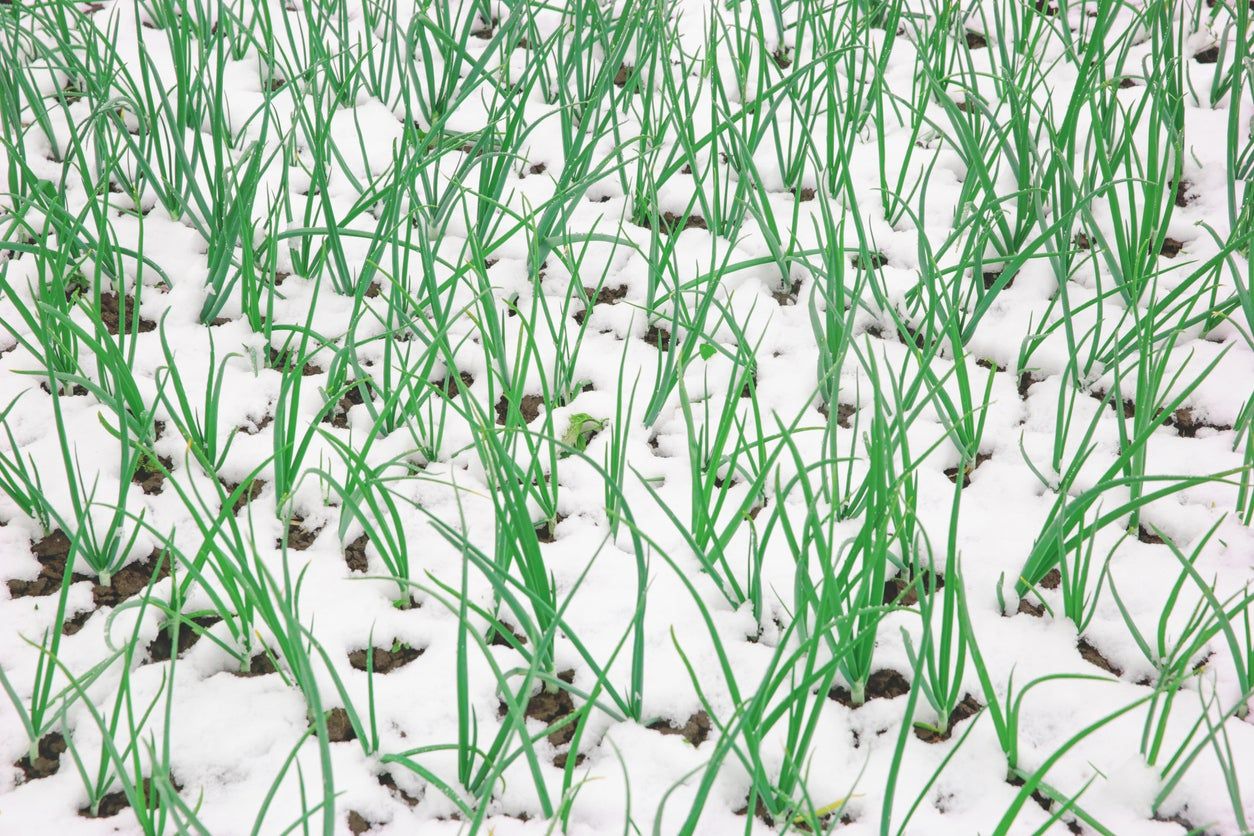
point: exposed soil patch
(528, 408)
(882, 684)
(161, 649)
(246, 496)
(562, 758)
(658, 337)
(355, 395)
(991, 277)
(387, 781)
(150, 477)
(51, 552)
(130, 580)
(450, 386)
(903, 590)
(1184, 193)
(1186, 423)
(72, 625)
(844, 412)
(1026, 607)
(1129, 408)
(1207, 56)
(355, 554)
(1146, 536)
(281, 359)
(787, 294)
(75, 391)
(546, 532)
(1171, 247)
(695, 730)
(299, 538)
(952, 472)
(624, 73)
(339, 726)
(259, 665)
(762, 814)
(976, 40)
(257, 426)
(965, 710)
(672, 223)
(1041, 800)
(804, 195)
(383, 660)
(669, 223)
(550, 706)
(603, 296)
(47, 759)
(1182, 819)
(113, 315)
(873, 261)
(1094, 656)
(357, 823)
(1052, 579)
(503, 635)
(115, 802)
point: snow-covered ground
(716, 417)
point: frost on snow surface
(626, 417)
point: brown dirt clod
(903, 590)
(882, 684)
(357, 823)
(246, 496)
(1026, 381)
(658, 337)
(964, 710)
(695, 730)
(1026, 607)
(259, 665)
(528, 408)
(451, 388)
(389, 783)
(299, 538)
(47, 759)
(1207, 56)
(355, 554)
(952, 472)
(339, 726)
(115, 802)
(874, 261)
(161, 649)
(150, 478)
(113, 315)
(1186, 423)
(787, 294)
(52, 552)
(384, 661)
(1094, 656)
(550, 705)
(131, 580)
(991, 277)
